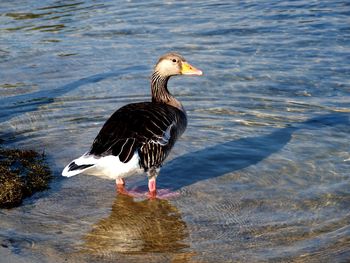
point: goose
(139, 136)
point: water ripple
(262, 167)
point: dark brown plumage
(150, 128)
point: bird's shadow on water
(235, 155)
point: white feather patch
(109, 167)
(82, 160)
(164, 139)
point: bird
(139, 136)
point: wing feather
(149, 128)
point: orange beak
(187, 69)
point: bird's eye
(174, 60)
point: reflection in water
(138, 227)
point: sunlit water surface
(262, 169)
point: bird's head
(172, 64)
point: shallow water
(262, 168)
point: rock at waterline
(22, 173)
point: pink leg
(152, 187)
(153, 193)
(120, 186)
(120, 181)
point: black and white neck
(160, 92)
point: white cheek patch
(167, 67)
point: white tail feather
(107, 166)
(79, 165)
